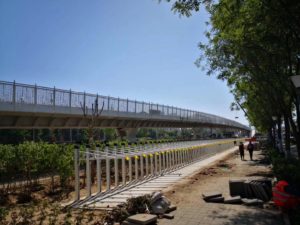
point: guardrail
(130, 165)
(24, 94)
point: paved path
(157, 184)
(192, 210)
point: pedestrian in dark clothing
(250, 148)
(241, 148)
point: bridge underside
(41, 121)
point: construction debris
(236, 187)
(257, 188)
(233, 200)
(171, 208)
(159, 204)
(209, 195)
(168, 216)
(252, 192)
(252, 202)
(142, 219)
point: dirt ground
(192, 210)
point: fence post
(164, 160)
(130, 169)
(88, 173)
(123, 171)
(107, 173)
(155, 163)
(142, 165)
(76, 164)
(136, 167)
(147, 165)
(98, 170)
(151, 164)
(116, 171)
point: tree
(254, 46)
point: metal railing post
(98, 161)
(147, 165)
(88, 173)
(136, 167)
(35, 94)
(107, 173)
(123, 171)
(76, 164)
(118, 104)
(159, 162)
(151, 165)
(14, 93)
(130, 169)
(54, 96)
(142, 166)
(164, 160)
(70, 98)
(116, 171)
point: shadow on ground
(250, 216)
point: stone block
(252, 202)
(236, 187)
(142, 219)
(209, 195)
(171, 208)
(125, 222)
(233, 200)
(168, 216)
(216, 200)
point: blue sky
(136, 49)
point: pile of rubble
(159, 207)
(247, 192)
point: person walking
(241, 148)
(250, 148)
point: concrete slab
(209, 195)
(142, 219)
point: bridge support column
(128, 133)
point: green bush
(285, 169)
(29, 161)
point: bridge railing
(15, 93)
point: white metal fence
(117, 167)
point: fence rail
(24, 94)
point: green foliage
(31, 160)
(285, 169)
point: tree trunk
(295, 134)
(287, 135)
(279, 135)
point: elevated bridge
(24, 106)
